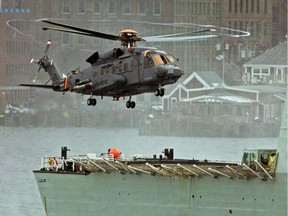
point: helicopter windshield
(167, 58)
(171, 59)
(152, 58)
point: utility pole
(220, 56)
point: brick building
(15, 47)
(266, 20)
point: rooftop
(260, 88)
(275, 56)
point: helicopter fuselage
(122, 72)
(117, 72)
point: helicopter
(123, 71)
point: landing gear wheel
(162, 92)
(130, 104)
(157, 92)
(93, 102)
(89, 101)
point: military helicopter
(119, 72)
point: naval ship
(111, 184)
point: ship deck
(106, 163)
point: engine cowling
(105, 55)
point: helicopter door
(129, 68)
(146, 67)
(141, 69)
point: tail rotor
(44, 61)
(50, 67)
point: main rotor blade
(177, 38)
(86, 32)
(181, 36)
(68, 31)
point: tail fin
(49, 66)
(46, 63)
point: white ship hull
(122, 192)
(130, 194)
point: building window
(180, 8)
(252, 6)
(200, 8)
(127, 5)
(206, 8)
(96, 41)
(216, 9)
(16, 70)
(21, 25)
(260, 72)
(252, 28)
(18, 3)
(241, 6)
(247, 6)
(157, 8)
(256, 72)
(112, 7)
(81, 6)
(265, 7)
(65, 38)
(265, 71)
(189, 8)
(258, 6)
(66, 6)
(81, 40)
(279, 75)
(142, 7)
(17, 47)
(97, 7)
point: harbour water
(21, 150)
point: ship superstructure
(110, 183)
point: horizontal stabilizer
(55, 88)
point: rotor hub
(128, 37)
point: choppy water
(21, 150)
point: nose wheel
(159, 92)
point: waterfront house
(271, 67)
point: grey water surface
(21, 150)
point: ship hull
(104, 194)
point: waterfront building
(15, 49)
(269, 68)
(205, 99)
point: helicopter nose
(169, 72)
(175, 72)
(161, 71)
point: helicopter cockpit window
(164, 59)
(151, 59)
(167, 58)
(171, 59)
